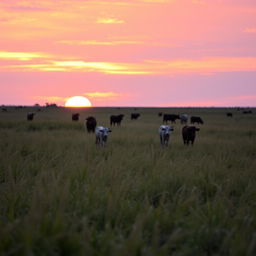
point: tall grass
(62, 195)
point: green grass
(62, 195)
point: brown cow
(189, 134)
(75, 117)
(90, 124)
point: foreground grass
(61, 195)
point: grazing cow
(189, 134)
(75, 117)
(229, 114)
(164, 133)
(101, 135)
(196, 119)
(116, 120)
(90, 124)
(134, 116)
(160, 113)
(247, 112)
(170, 117)
(30, 116)
(4, 109)
(183, 118)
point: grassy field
(62, 195)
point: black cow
(75, 117)
(30, 116)
(189, 134)
(160, 113)
(135, 116)
(247, 112)
(196, 119)
(170, 117)
(116, 119)
(90, 124)
(229, 114)
(4, 109)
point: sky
(150, 53)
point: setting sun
(78, 101)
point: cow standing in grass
(135, 116)
(30, 116)
(170, 117)
(101, 135)
(183, 118)
(116, 120)
(75, 117)
(229, 114)
(189, 134)
(164, 133)
(90, 124)
(196, 119)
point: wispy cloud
(22, 55)
(250, 30)
(51, 99)
(46, 62)
(106, 43)
(107, 97)
(109, 21)
(103, 94)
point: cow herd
(165, 131)
(188, 132)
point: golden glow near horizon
(78, 101)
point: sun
(78, 102)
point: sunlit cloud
(22, 55)
(109, 21)
(106, 97)
(51, 99)
(46, 62)
(250, 30)
(102, 94)
(104, 43)
(92, 66)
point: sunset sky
(128, 53)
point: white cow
(183, 118)
(164, 133)
(101, 135)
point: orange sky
(129, 53)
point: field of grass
(62, 195)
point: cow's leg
(161, 139)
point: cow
(189, 134)
(183, 118)
(30, 116)
(160, 113)
(229, 114)
(90, 124)
(4, 109)
(101, 135)
(247, 112)
(75, 117)
(170, 117)
(116, 120)
(164, 133)
(135, 116)
(196, 119)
